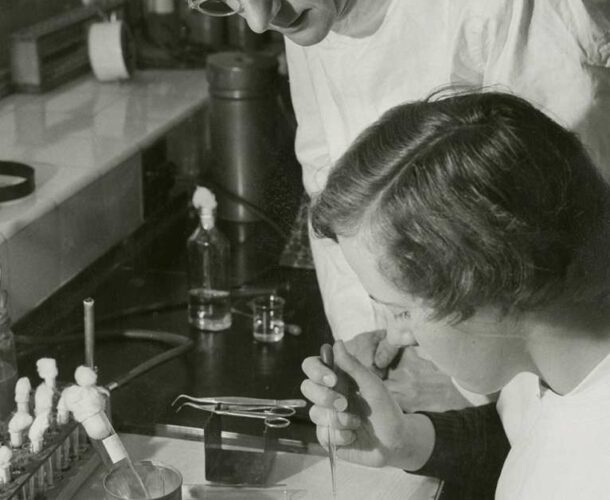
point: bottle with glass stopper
(87, 403)
(209, 300)
(8, 358)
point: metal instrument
(327, 357)
(275, 412)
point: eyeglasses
(215, 8)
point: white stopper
(203, 198)
(43, 399)
(5, 456)
(22, 390)
(37, 430)
(87, 403)
(5, 464)
(17, 425)
(47, 370)
(97, 426)
(85, 376)
(84, 402)
(20, 422)
(63, 413)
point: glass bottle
(209, 299)
(8, 361)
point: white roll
(111, 52)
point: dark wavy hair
(473, 200)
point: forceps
(274, 412)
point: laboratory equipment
(161, 481)
(326, 354)
(5, 465)
(44, 397)
(89, 323)
(244, 124)
(8, 359)
(37, 431)
(87, 403)
(268, 318)
(274, 412)
(54, 51)
(228, 465)
(209, 306)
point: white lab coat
(560, 445)
(556, 53)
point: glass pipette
(326, 355)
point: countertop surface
(292, 476)
(78, 132)
(86, 142)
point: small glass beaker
(268, 318)
(162, 482)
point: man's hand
(373, 351)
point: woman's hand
(368, 426)
(373, 351)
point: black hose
(248, 205)
(181, 343)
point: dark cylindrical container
(241, 36)
(243, 123)
(206, 30)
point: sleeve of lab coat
(347, 306)
(557, 56)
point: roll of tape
(111, 51)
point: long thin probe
(326, 355)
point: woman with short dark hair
(484, 228)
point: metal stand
(237, 466)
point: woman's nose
(259, 13)
(400, 333)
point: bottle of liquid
(209, 300)
(8, 360)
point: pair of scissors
(275, 412)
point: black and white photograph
(304, 249)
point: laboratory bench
(141, 285)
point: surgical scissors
(274, 412)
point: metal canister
(243, 122)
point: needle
(326, 354)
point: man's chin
(307, 38)
(311, 28)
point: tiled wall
(15, 14)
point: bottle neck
(207, 219)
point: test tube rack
(52, 473)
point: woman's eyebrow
(387, 304)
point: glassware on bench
(209, 300)
(268, 318)
(161, 481)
